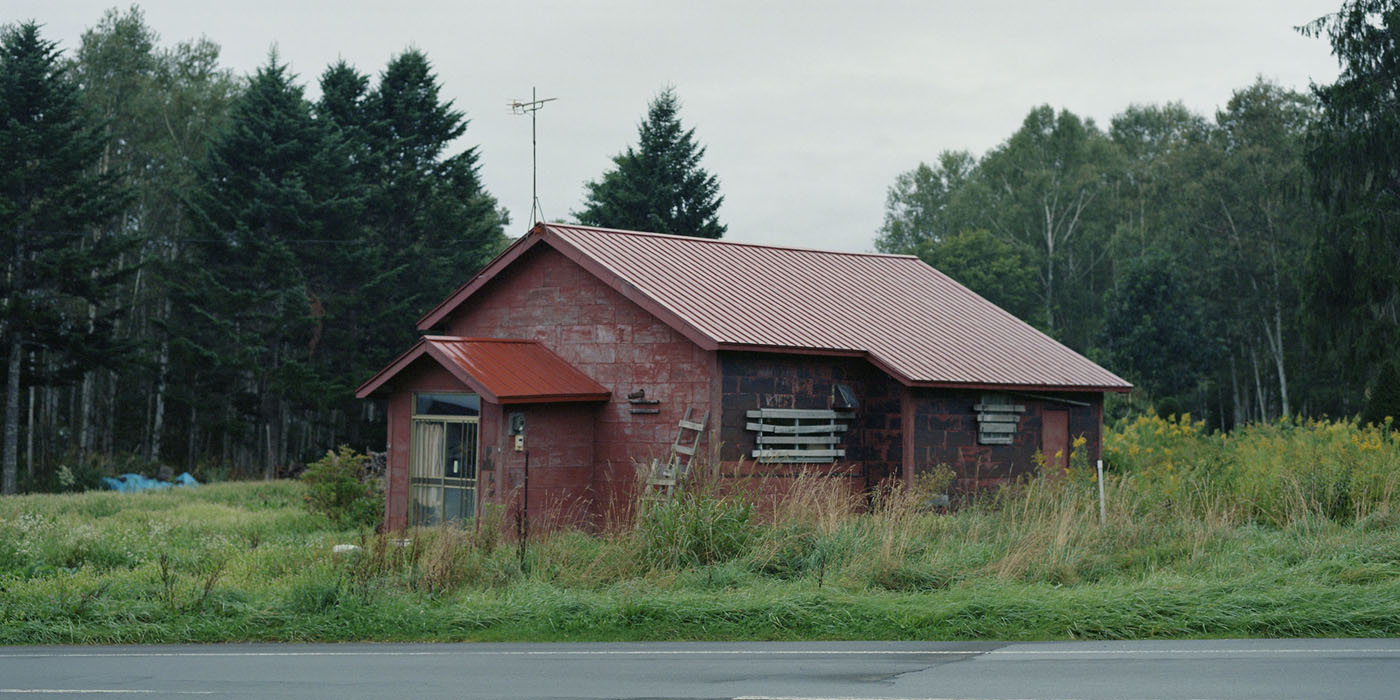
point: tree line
(199, 267)
(205, 270)
(1240, 266)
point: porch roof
(502, 370)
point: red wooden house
(579, 350)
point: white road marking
(99, 691)
(856, 697)
(718, 652)
(785, 697)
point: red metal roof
(501, 370)
(913, 321)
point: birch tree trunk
(1258, 385)
(269, 471)
(1273, 334)
(158, 420)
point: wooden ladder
(663, 478)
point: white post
(1103, 510)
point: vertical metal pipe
(534, 173)
(1103, 509)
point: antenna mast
(534, 105)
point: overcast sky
(808, 109)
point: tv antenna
(534, 105)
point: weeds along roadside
(1193, 543)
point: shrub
(1267, 473)
(340, 487)
(696, 527)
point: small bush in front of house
(340, 487)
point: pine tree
(658, 186)
(51, 196)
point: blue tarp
(131, 483)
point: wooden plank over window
(800, 413)
(997, 420)
(795, 429)
(798, 435)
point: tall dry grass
(1177, 499)
(1283, 504)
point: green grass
(1276, 531)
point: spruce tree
(360, 299)
(51, 197)
(429, 210)
(427, 221)
(659, 186)
(271, 213)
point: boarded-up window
(997, 419)
(798, 436)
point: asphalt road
(1235, 669)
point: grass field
(1288, 529)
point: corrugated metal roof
(913, 321)
(505, 371)
(916, 322)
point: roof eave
(984, 386)
(792, 350)
(904, 379)
(555, 398)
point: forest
(200, 267)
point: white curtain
(425, 462)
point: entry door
(442, 471)
(1054, 440)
